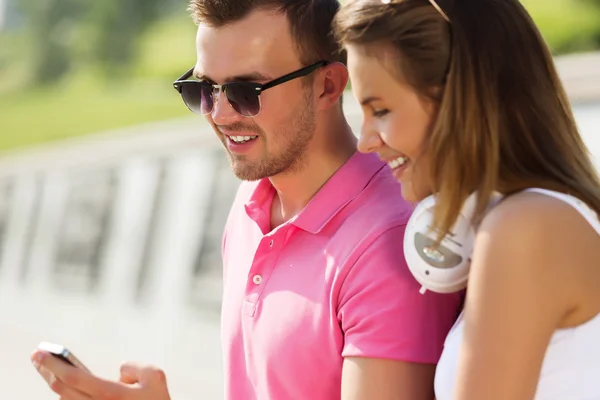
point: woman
(462, 99)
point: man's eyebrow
(250, 77)
(201, 77)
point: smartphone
(63, 353)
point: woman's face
(396, 121)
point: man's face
(258, 48)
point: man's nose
(222, 112)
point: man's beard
(292, 142)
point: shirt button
(271, 243)
(257, 279)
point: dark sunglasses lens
(198, 98)
(244, 99)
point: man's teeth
(397, 162)
(242, 139)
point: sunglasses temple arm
(185, 76)
(296, 74)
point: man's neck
(294, 190)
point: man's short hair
(310, 22)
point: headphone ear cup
(442, 269)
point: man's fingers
(55, 385)
(129, 373)
(72, 394)
(59, 387)
(146, 375)
(65, 373)
(49, 377)
(62, 376)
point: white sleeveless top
(571, 367)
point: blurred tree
(596, 3)
(50, 23)
(115, 26)
(102, 32)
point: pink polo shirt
(330, 283)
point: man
(318, 301)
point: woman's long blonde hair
(503, 118)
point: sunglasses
(244, 97)
(433, 3)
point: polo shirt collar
(343, 186)
(258, 207)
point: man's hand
(136, 383)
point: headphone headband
(445, 268)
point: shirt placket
(263, 264)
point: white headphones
(446, 269)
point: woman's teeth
(242, 139)
(397, 162)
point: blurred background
(113, 197)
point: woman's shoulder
(520, 215)
(542, 243)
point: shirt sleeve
(381, 311)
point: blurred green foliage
(80, 84)
(75, 67)
(82, 106)
(65, 32)
(568, 26)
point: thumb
(145, 375)
(129, 373)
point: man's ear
(332, 83)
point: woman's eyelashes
(380, 112)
